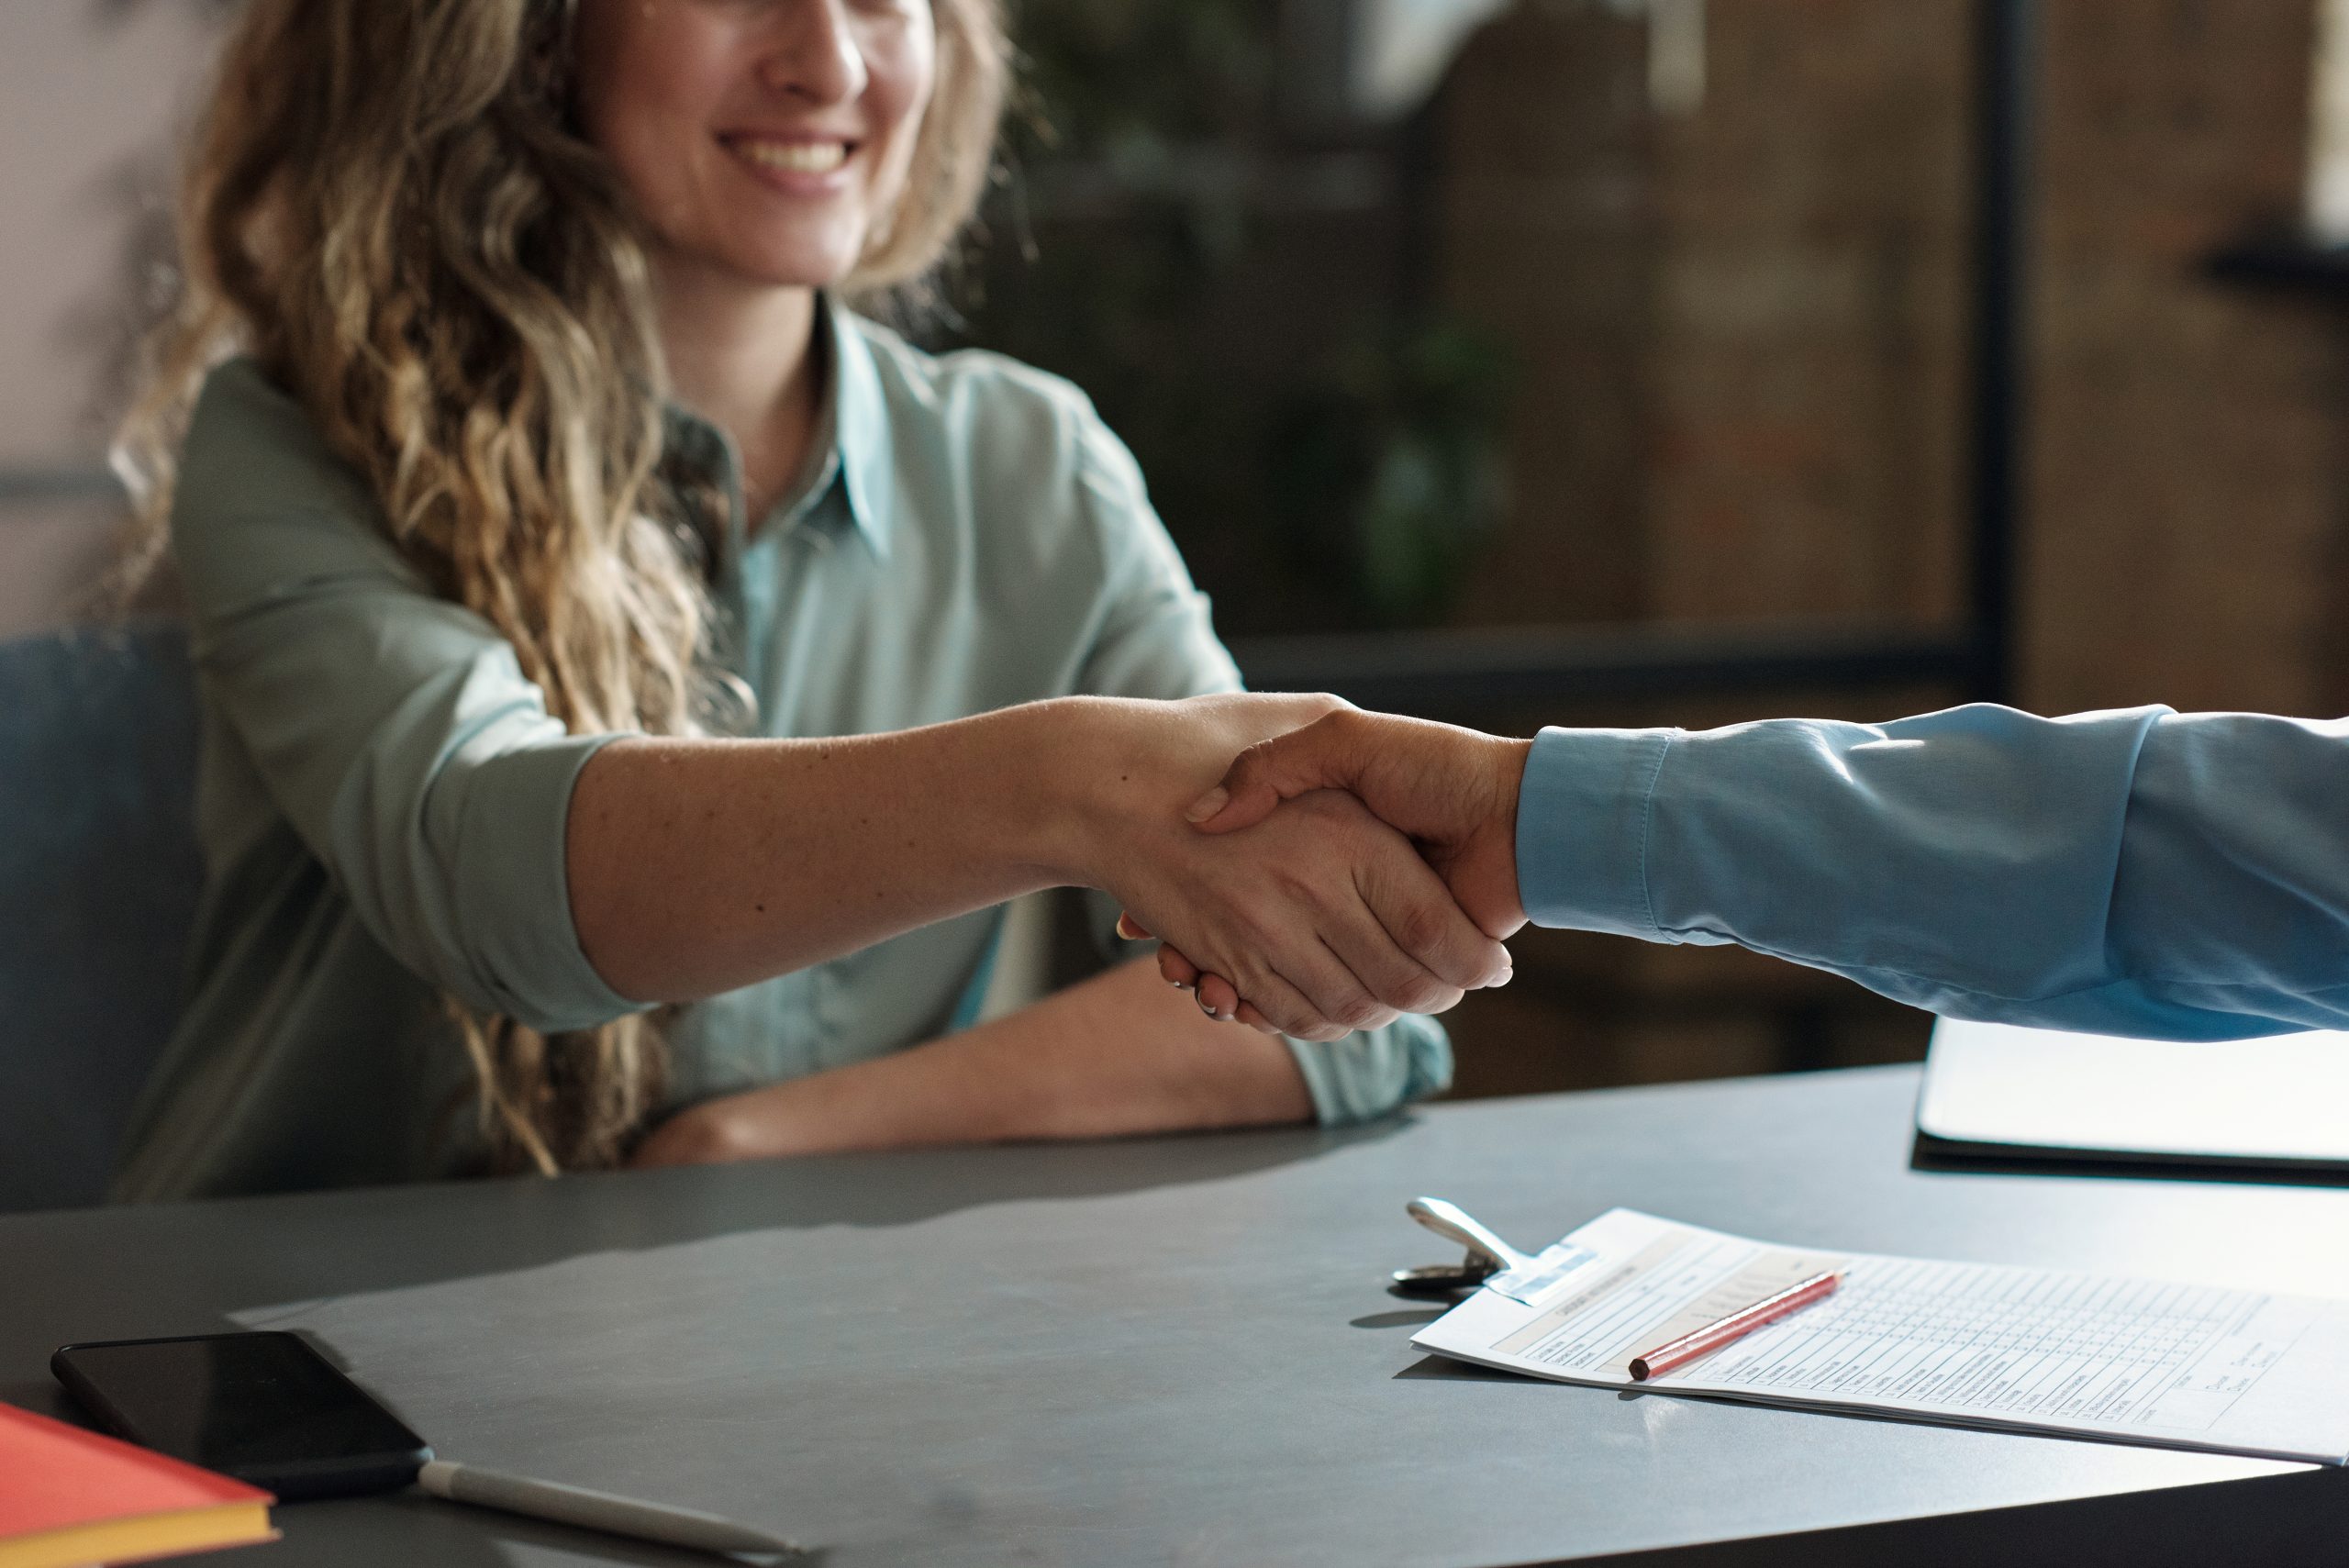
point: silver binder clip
(1488, 1253)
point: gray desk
(1179, 1350)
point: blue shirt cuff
(1373, 1071)
(1581, 828)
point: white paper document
(1978, 1345)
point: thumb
(1319, 756)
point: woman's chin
(793, 265)
(799, 262)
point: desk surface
(1172, 1350)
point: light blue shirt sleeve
(2137, 871)
(394, 730)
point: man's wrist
(1508, 787)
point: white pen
(595, 1510)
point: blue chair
(99, 878)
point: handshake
(1345, 868)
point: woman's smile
(799, 166)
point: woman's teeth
(799, 157)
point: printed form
(1978, 1344)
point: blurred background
(1591, 361)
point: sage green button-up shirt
(381, 794)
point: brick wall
(1807, 363)
(2187, 488)
(1749, 402)
(1547, 235)
(1744, 335)
(1738, 328)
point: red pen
(1704, 1341)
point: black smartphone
(264, 1408)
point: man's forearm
(2131, 872)
(1121, 1053)
(2134, 872)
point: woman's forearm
(699, 866)
(1121, 1053)
(696, 866)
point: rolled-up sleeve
(397, 733)
(1156, 639)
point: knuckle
(1420, 930)
(1296, 886)
(1297, 1019)
(1426, 994)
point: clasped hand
(1447, 794)
(1325, 919)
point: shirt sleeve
(1157, 640)
(397, 733)
(2137, 871)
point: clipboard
(1996, 1092)
(2165, 1363)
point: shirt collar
(859, 424)
(861, 427)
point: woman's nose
(812, 53)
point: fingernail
(1507, 976)
(1210, 1012)
(1180, 985)
(1208, 804)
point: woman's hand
(714, 1132)
(1109, 1056)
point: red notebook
(71, 1497)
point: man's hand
(1451, 791)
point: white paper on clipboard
(2166, 1364)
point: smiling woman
(828, 118)
(631, 677)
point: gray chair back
(99, 877)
